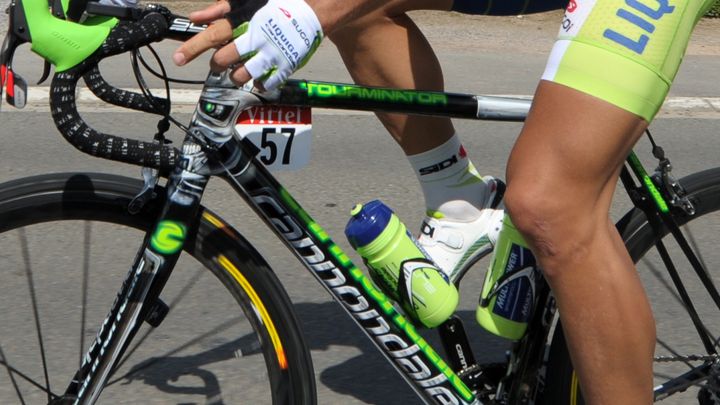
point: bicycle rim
(67, 242)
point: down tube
(391, 332)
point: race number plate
(282, 134)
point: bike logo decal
(168, 237)
(327, 90)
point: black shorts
(507, 7)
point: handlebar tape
(122, 38)
(123, 98)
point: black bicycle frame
(212, 148)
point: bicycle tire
(703, 190)
(53, 200)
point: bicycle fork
(138, 298)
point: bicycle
(170, 219)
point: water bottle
(399, 266)
(508, 294)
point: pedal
(157, 313)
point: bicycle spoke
(27, 378)
(33, 298)
(693, 242)
(655, 271)
(10, 371)
(659, 277)
(86, 273)
(223, 326)
(182, 294)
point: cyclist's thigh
(626, 52)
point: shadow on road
(366, 377)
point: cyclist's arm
(330, 13)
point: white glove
(278, 40)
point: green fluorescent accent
(330, 90)
(313, 47)
(656, 194)
(341, 256)
(375, 293)
(62, 43)
(209, 107)
(267, 73)
(240, 29)
(168, 237)
(649, 185)
(319, 232)
(296, 208)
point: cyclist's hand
(278, 40)
(218, 33)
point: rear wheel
(67, 242)
(684, 369)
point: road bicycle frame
(212, 149)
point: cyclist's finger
(210, 13)
(224, 57)
(240, 76)
(258, 67)
(214, 36)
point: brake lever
(14, 85)
(45, 73)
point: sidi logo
(640, 15)
(439, 166)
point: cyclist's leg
(408, 63)
(563, 170)
(561, 177)
(456, 196)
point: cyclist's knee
(555, 227)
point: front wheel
(685, 370)
(67, 241)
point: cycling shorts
(626, 52)
(506, 7)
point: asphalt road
(353, 161)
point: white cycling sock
(452, 187)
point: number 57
(272, 147)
